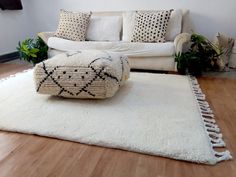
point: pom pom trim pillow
(73, 25)
(150, 26)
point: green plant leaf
(34, 50)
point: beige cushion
(104, 28)
(72, 25)
(84, 74)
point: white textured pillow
(104, 28)
(174, 25)
(173, 29)
(128, 25)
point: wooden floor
(32, 156)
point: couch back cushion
(104, 28)
(173, 29)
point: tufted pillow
(150, 26)
(73, 25)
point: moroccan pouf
(90, 74)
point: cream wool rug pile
(157, 114)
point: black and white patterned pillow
(73, 25)
(150, 26)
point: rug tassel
(205, 108)
(203, 103)
(209, 120)
(214, 135)
(223, 156)
(208, 115)
(208, 111)
(218, 143)
(211, 125)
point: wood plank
(34, 156)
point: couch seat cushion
(126, 48)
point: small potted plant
(33, 50)
(201, 56)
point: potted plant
(33, 50)
(201, 56)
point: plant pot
(194, 67)
(182, 71)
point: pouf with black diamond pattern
(91, 74)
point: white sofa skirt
(146, 63)
(153, 63)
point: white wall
(208, 16)
(14, 26)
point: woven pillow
(232, 60)
(91, 74)
(73, 26)
(150, 26)
(225, 44)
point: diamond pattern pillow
(150, 26)
(73, 26)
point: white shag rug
(157, 114)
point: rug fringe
(212, 129)
(14, 75)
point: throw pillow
(104, 28)
(150, 26)
(232, 60)
(174, 26)
(73, 25)
(128, 25)
(225, 44)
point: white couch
(148, 56)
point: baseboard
(148, 71)
(9, 57)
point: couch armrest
(180, 41)
(45, 36)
